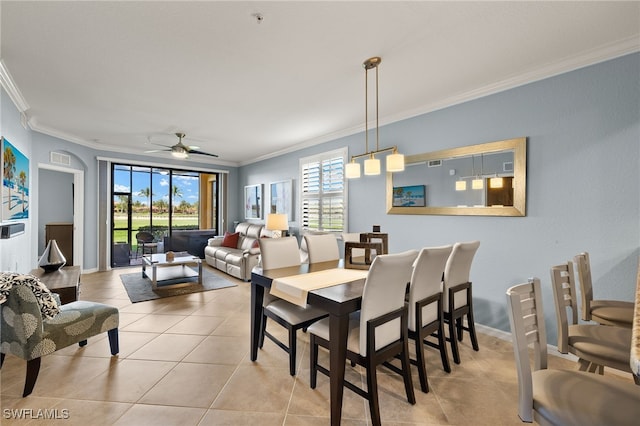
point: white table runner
(295, 288)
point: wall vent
(62, 159)
(434, 163)
(507, 167)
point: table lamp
(277, 223)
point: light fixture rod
(378, 151)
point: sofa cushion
(230, 240)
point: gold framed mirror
(487, 179)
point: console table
(65, 281)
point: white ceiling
(116, 74)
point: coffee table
(171, 271)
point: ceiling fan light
(180, 154)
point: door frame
(78, 209)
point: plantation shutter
(323, 197)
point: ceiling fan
(181, 150)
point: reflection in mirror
(487, 179)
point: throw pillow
(48, 304)
(231, 240)
(255, 244)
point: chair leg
(114, 344)
(406, 374)
(372, 392)
(292, 350)
(82, 343)
(33, 368)
(472, 330)
(453, 339)
(459, 328)
(313, 361)
(1, 359)
(442, 342)
(420, 361)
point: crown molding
(11, 88)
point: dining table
(339, 300)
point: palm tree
(122, 203)
(146, 192)
(9, 169)
(22, 179)
(176, 193)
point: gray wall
(583, 131)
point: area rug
(139, 289)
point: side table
(65, 281)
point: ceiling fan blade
(158, 150)
(193, 151)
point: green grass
(137, 221)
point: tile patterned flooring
(185, 361)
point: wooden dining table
(338, 300)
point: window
(323, 193)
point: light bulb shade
(395, 162)
(477, 183)
(371, 166)
(181, 153)
(352, 170)
(461, 185)
(495, 182)
(277, 222)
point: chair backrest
(144, 237)
(564, 296)
(426, 280)
(384, 292)
(583, 265)
(279, 252)
(322, 247)
(524, 304)
(457, 271)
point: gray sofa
(238, 261)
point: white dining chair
(458, 300)
(322, 247)
(560, 397)
(282, 253)
(378, 332)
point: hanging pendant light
(394, 161)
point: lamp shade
(461, 185)
(352, 170)
(495, 182)
(371, 166)
(277, 222)
(477, 183)
(395, 162)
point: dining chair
(456, 292)
(322, 247)
(596, 346)
(378, 332)
(560, 397)
(281, 253)
(606, 312)
(145, 243)
(426, 316)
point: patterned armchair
(33, 324)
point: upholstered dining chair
(322, 247)
(378, 332)
(34, 324)
(560, 397)
(606, 312)
(458, 300)
(596, 346)
(426, 317)
(281, 253)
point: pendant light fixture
(395, 160)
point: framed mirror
(487, 179)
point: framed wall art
(253, 201)
(15, 183)
(409, 196)
(281, 198)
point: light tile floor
(185, 361)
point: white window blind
(323, 195)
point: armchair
(32, 325)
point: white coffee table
(164, 270)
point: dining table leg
(257, 294)
(338, 332)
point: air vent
(434, 163)
(62, 159)
(507, 167)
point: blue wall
(583, 131)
